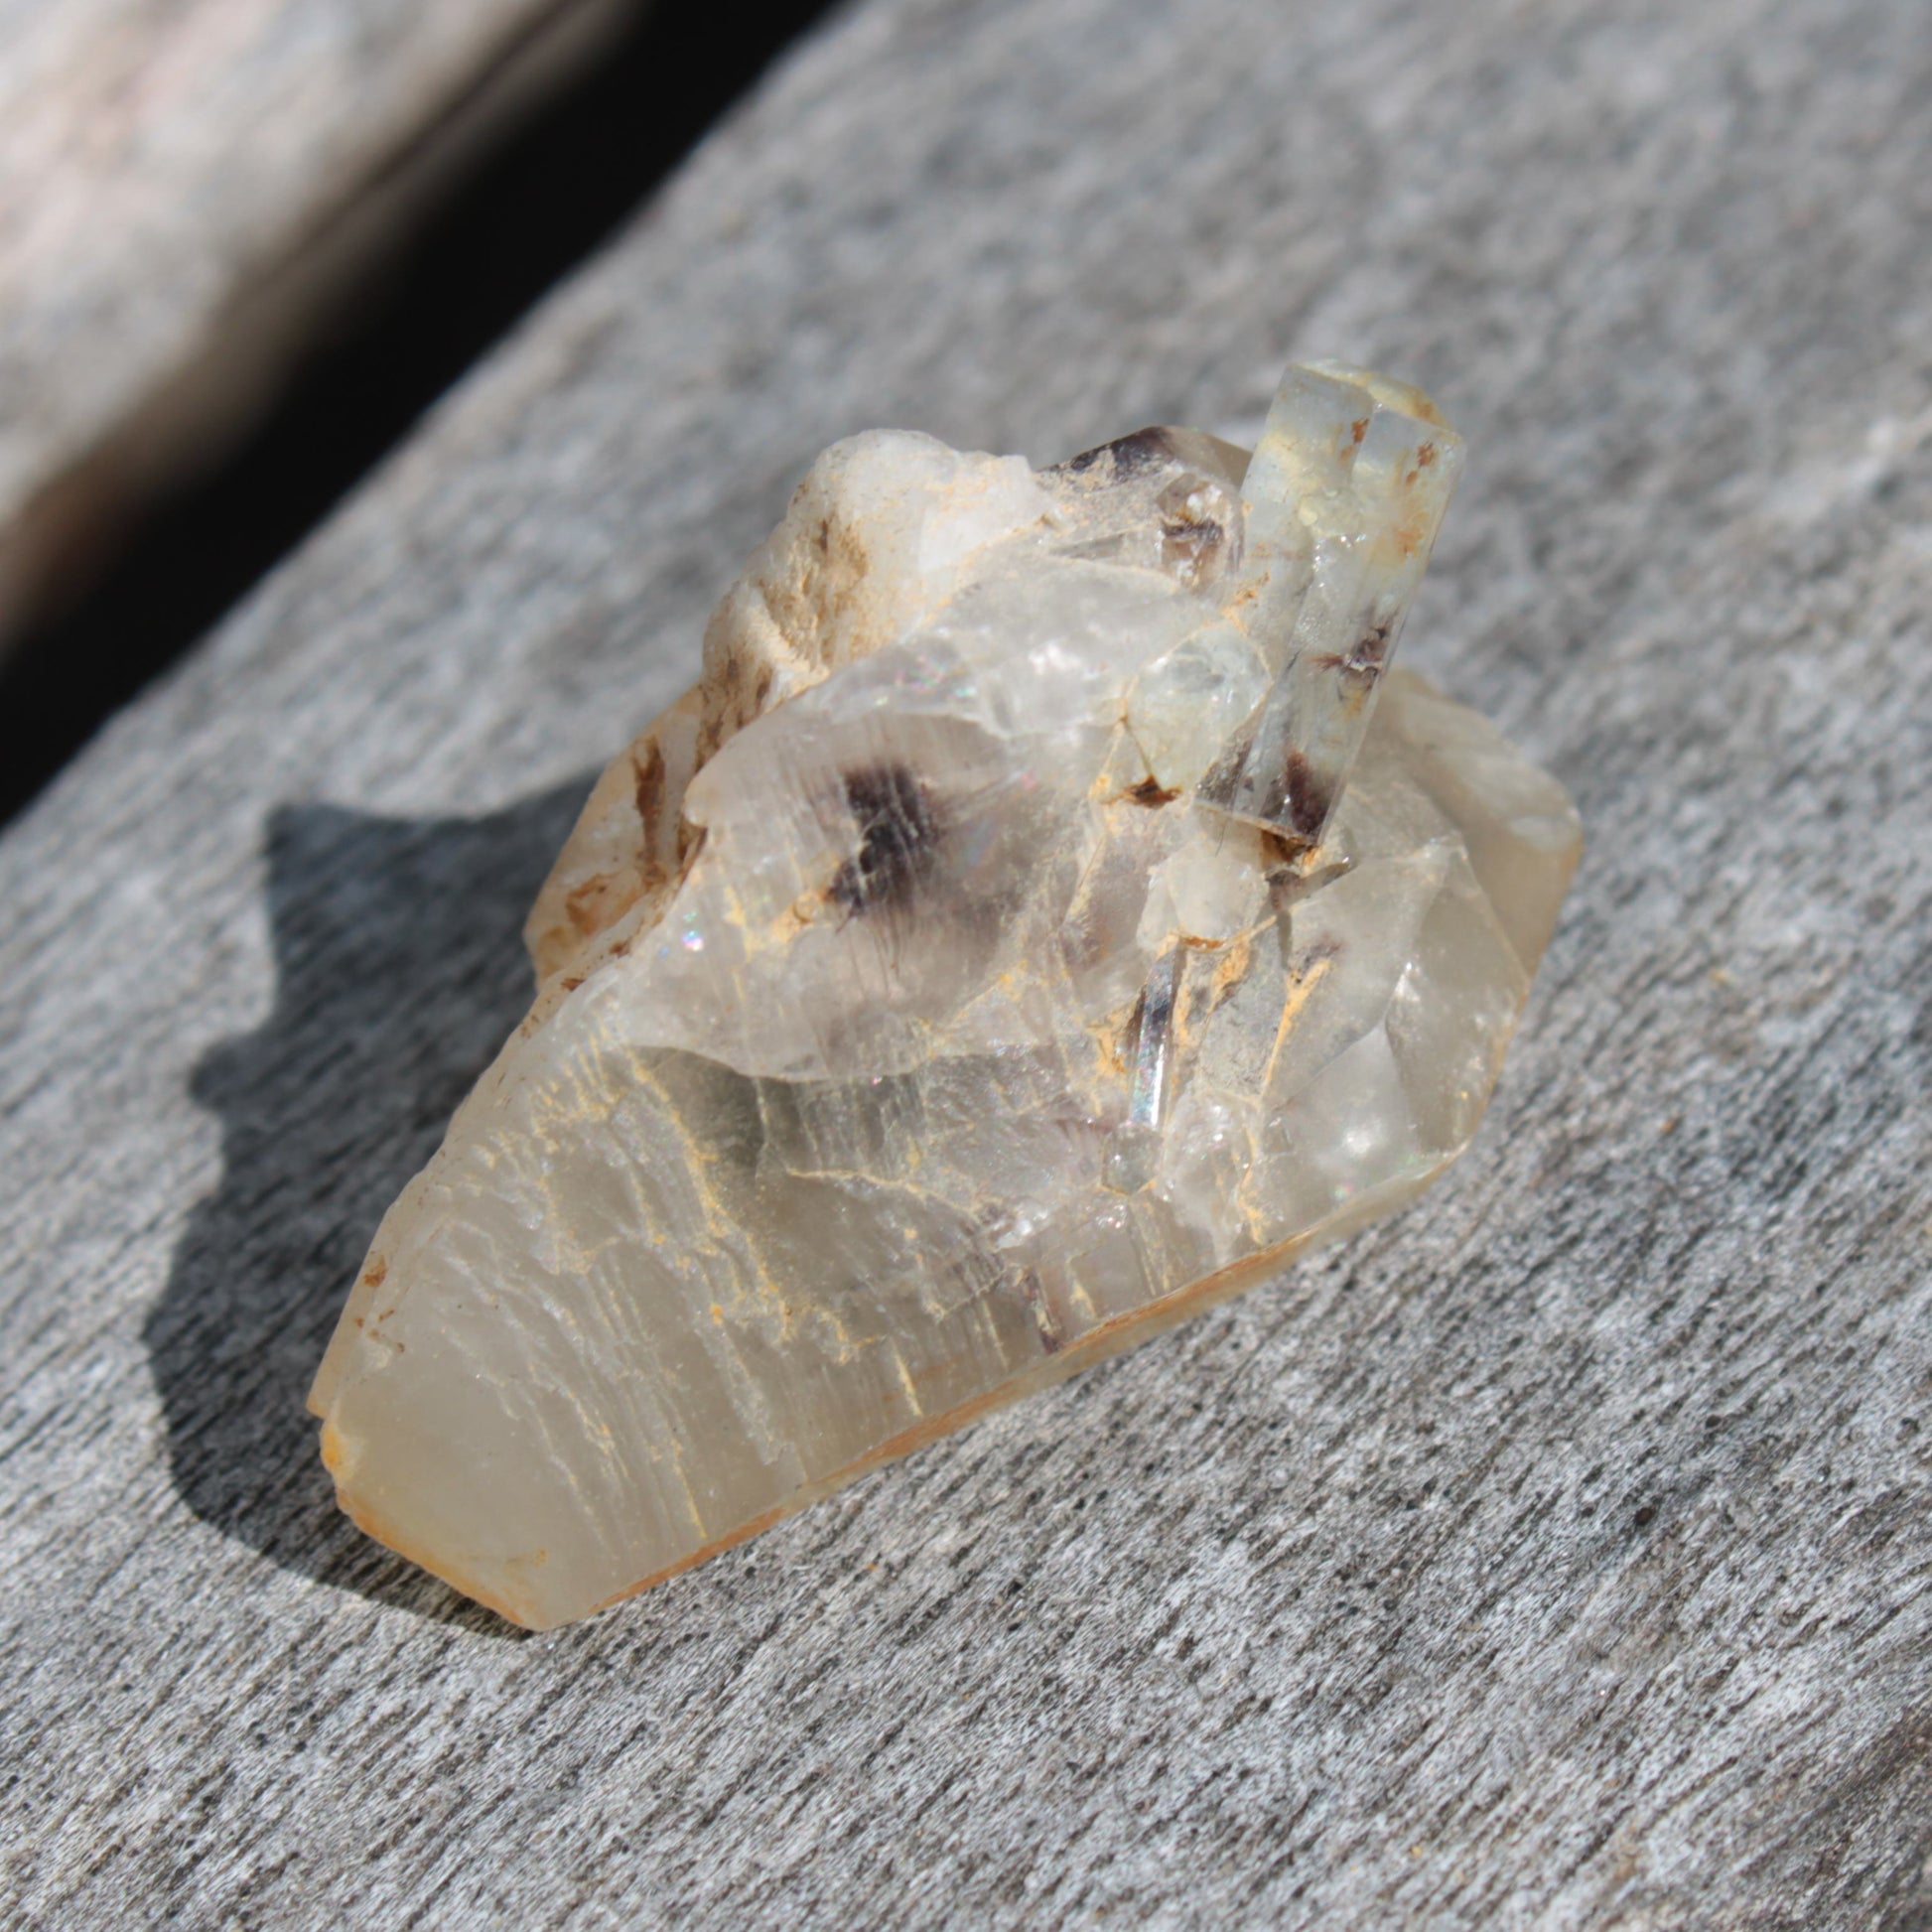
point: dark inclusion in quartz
(899, 837)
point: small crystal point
(1346, 495)
(1134, 1151)
(1029, 929)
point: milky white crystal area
(1044, 917)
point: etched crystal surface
(1045, 915)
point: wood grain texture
(1553, 1556)
(186, 190)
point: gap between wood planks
(545, 199)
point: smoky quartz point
(1047, 915)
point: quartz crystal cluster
(1046, 915)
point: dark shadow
(556, 187)
(399, 972)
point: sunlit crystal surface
(1047, 913)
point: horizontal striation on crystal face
(1048, 914)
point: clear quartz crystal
(1346, 490)
(952, 987)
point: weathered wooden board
(185, 186)
(1555, 1555)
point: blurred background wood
(187, 191)
(1555, 1555)
(466, 227)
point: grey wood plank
(1554, 1555)
(188, 190)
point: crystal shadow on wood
(398, 970)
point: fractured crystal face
(1047, 915)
